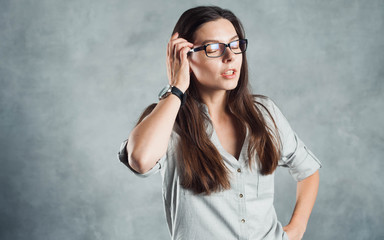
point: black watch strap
(179, 94)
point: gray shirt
(246, 210)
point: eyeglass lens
(217, 49)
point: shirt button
(243, 220)
(241, 195)
(238, 170)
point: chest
(231, 137)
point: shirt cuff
(123, 157)
(308, 166)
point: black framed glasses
(214, 50)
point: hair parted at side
(201, 168)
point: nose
(228, 55)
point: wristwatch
(168, 90)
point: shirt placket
(242, 203)
(241, 198)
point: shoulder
(271, 112)
(265, 104)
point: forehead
(220, 30)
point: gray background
(75, 75)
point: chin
(226, 85)
(231, 85)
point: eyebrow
(216, 41)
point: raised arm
(148, 141)
(305, 199)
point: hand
(177, 62)
(294, 233)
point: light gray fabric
(226, 215)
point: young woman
(216, 145)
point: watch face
(165, 92)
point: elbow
(138, 163)
(135, 158)
(141, 158)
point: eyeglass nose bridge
(225, 48)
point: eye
(214, 47)
(234, 45)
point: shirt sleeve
(301, 162)
(123, 157)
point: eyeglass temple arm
(196, 49)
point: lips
(229, 73)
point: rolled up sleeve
(123, 157)
(301, 162)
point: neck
(216, 102)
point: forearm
(148, 141)
(305, 200)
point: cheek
(239, 60)
(205, 71)
(203, 67)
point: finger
(171, 52)
(169, 59)
(174, 36)
(171, 44)
(168, 49)
(181, 45)
(176, 41)
(184, 54)
(170, 67)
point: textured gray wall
(75, 75)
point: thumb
(184, 56)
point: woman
(216, 145)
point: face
(220, 73)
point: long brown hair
(201, 167)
